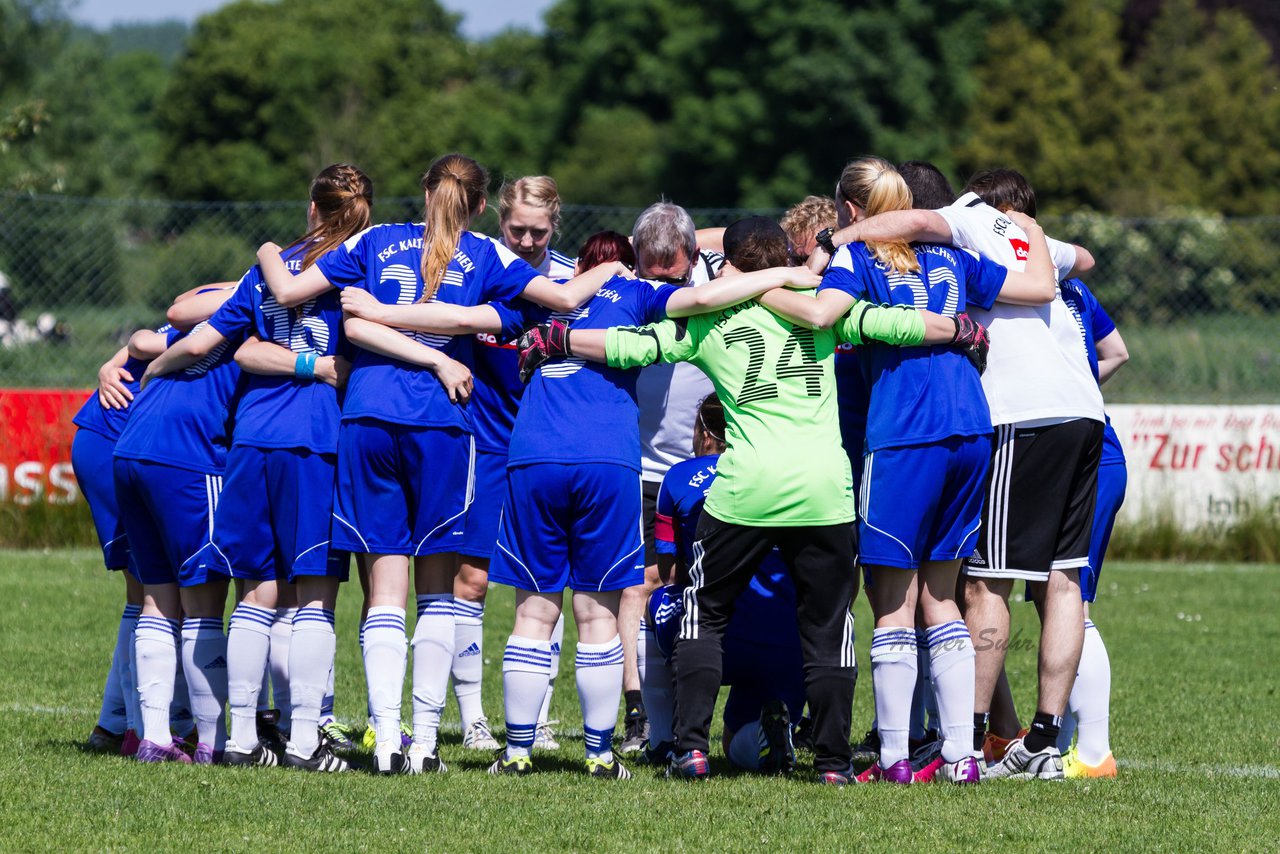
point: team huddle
(710, 436)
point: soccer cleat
(370, 738)
(839, 779)
(967, 770)
(898, 772)
(324, 760)
(802, 738)
(149, 751)
(1021, 764)
(129, 744)
(689, 766)
(779, 755)
(635, 733)
(418, 761)
(994, 747)
(1074, 769)
(269, 732)
(337, 736)
(927, 773)
(867, 752)
(926, 750)
(236, 756)
(388, 758)
(103, 740)
(206, 755)
(658, 755)
(611, 770)
(479, 737)
(516, 766)
(544, 737)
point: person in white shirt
(1048, 416)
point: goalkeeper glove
(972, 339)
(541, 344)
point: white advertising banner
(1201, 465)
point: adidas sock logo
(474, 649)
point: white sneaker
(1021, 764)
(479, 737)
(418, 761)
(544, 738)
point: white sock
(468, 659)
(893, 671)
(128, 673)
(113, 714)
(310, 667)
(657, 688)
(557, 641)
(526, 668)
(746, 746)
(248, 646)
(432, 659)
(281, 633)
(1091, 698)
(204, 658)
(385, 651)
(156, 660)
(598, 670)
(951, 666)
(181, 721)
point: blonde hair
(874, 185)
(805, 219)
(537, 191)
(343, 196)
(457, 186)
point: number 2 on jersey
(800, 341)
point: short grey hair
(662, 232)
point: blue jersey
(109, 422)
(281, 411)
(386, 260)
(583, 412)
(495, 400)
(765, 613)
(1095, 324)
(923, 394)
(182, 419)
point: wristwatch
(823, 239)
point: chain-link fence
(1197, 298)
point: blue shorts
(168, 517)
(92, 461)
(274, 514)
(922, 502)
(486, 505)
(1112, 480)
(402, 490)
(575, 526)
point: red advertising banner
(35, 444)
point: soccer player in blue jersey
(405, 449)
(169, 462)
(528, 217)
(928, 426)
(1090, 700)
(763, 660)
(273, 519)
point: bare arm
(146, 344)
(1112, 354)
(376, 338)
(268, 358)
(913, 226)
(112, 392)
(588, 344)
(711, 239)
(813, 312)
(731, 290)
(184, 353)
(440, 317)
(288, 289)
(193, 307)
(1084, 262)
(574, 292)
(1037, 284)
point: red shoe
(129, 745)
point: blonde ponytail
(457, 186)
(874, 185)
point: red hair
(605, 247)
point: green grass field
(1194, 725)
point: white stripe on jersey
(407, 280)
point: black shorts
(1038, 512)
(649, 509)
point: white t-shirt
(1038, 368)
(669, 396)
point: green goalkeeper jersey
(783, 464)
